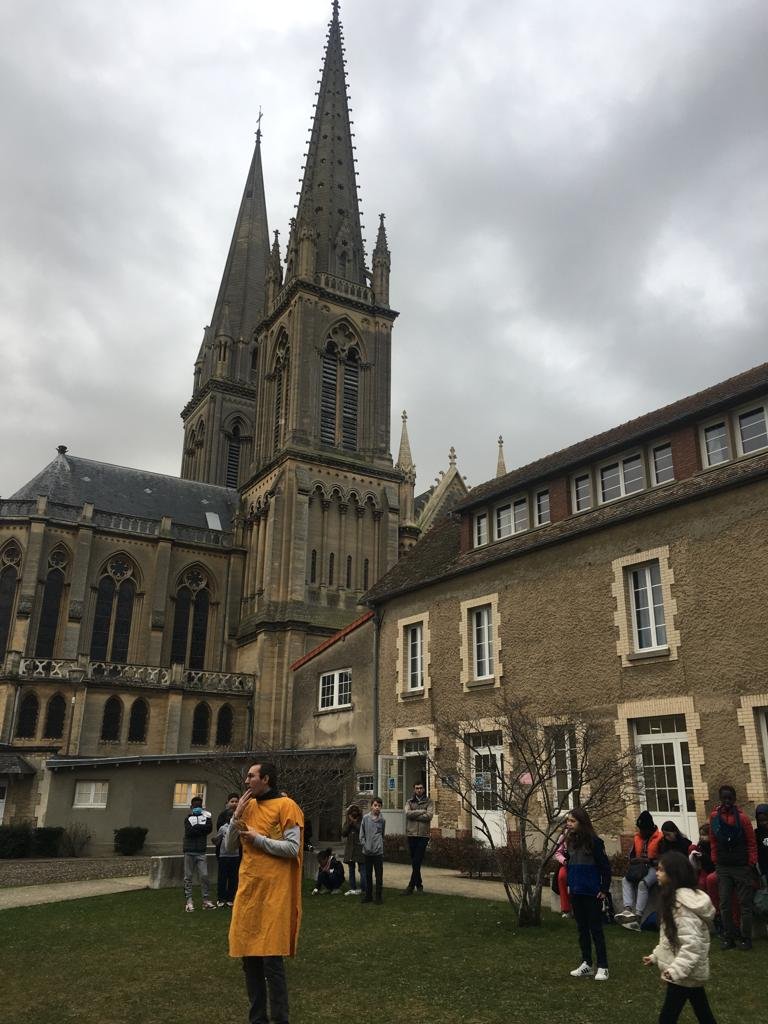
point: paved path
(33, 895)
(396, 876)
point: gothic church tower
(301, 363)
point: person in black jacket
(330, 873)
(674, 840)
(761, 838)
(198, 825)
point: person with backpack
(589, 882)
(641, 873)
(682, 953)
(734, 853)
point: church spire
(242, 289)
(501, 466)
(328, 208)
(404, 458)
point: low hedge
(130, 839)
(22, 840)
(466, 855)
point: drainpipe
(14, 712)
(378, 618)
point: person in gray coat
(372, 841)
(419, 811)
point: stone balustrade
(151, 676)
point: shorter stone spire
(404, 458)
(381, 264)
(451, 456)
(501, 466)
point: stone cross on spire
(501, 466)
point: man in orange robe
(267, 911)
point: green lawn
(138, 959)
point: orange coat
(653, 845)
(267, 911)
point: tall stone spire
(501, 466)
(328, 208)
(243, 282)
(404, 458)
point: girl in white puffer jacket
(682, 954)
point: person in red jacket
(734, 854)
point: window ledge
(333, 711)
(652, 655)
(416, 694)
(481, 684)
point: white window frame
(655, 482)
(480, 529)
(469, 676)
(79, 800)
(414, 631)
(675, 738)
(585, 475)
(517, 504)
(571, 752)
(511, 507)
(760, 405)
(184, 791)
(336, 677)
(725, 420)
(646, 569)
(481, 618)
(540, 521)
(620, 462)
(363, 783)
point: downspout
(14, 712)
(378, 618)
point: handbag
(636, 872)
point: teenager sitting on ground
(682, 953)
(330, 874)
(673, 839)
(641, 873)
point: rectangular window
(582, 493)
(542, 508)
(336, 689)
(564, 765)
(481, 529)
(414, 648)
(666, 764)
(663, 470)
(184, 791)
(716, 444)
(91, 794)
(650, 631)
(365, 784)
(621, 478)
(753, 435)
(482, 641)
(503, 521)
(520, 514)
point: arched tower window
(50, 609)
(29, 710)
(114, 611)
(55, 714)
(224, 722)
(233, 457)
(201, 725)
(330, 368)
(111, 720)
(280, 411)
(340, 389)
(313, 566)
(190, 620)
(349, 572)
(138, 721)
(331, 560)
(10, 560)
(254, 366)
(349, 401)
(365, 574)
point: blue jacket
(588, 873)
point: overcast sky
(576, 199)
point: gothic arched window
(54, 717)
(190, 620)
(313, 566)
(328, 386)
(29, 710)
(349, 572)
(111, 720)
(331, 560)
(50, 609)
(10, 560)
(224, 722)
(201, 725)
(138, 721)
(349, 401)
(340, 391)
(365, 574)
(254, 365)
(280, 411)
(114, 611)
(233, 457)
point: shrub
(46, 842)
(15, 841)
(74, 840)
(130, 839)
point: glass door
(666, 771)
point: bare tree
(522, 769)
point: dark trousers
(676, 998)
(417, 847)
(589, 920)
(226, 886)
(738, 880)
(374, 864)
(265, 978)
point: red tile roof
(331, 641)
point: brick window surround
(404, 693)
(752, 751)
(466, 641)
(622, 616)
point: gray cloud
(575, 196)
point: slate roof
(711, 400)
(13, 764)
(70, 480)
(438, 556)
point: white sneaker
(189, 906)
(315, 892)
(352, 892)
(626, 915)
(585, 971)
(601, 974)
(566, 916)
(632, 926)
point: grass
(136, 958)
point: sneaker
(566, 915)
(601, 974)
(745, 944)
(632, 926)
(230, 904)
(219, 903)
(352, 892)
(727, 943)
(585, 971)
(627, 914)
(315, 892)
(207, 905)
(189, 906)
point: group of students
(696, 884)
(198, 825)
(363, 836)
